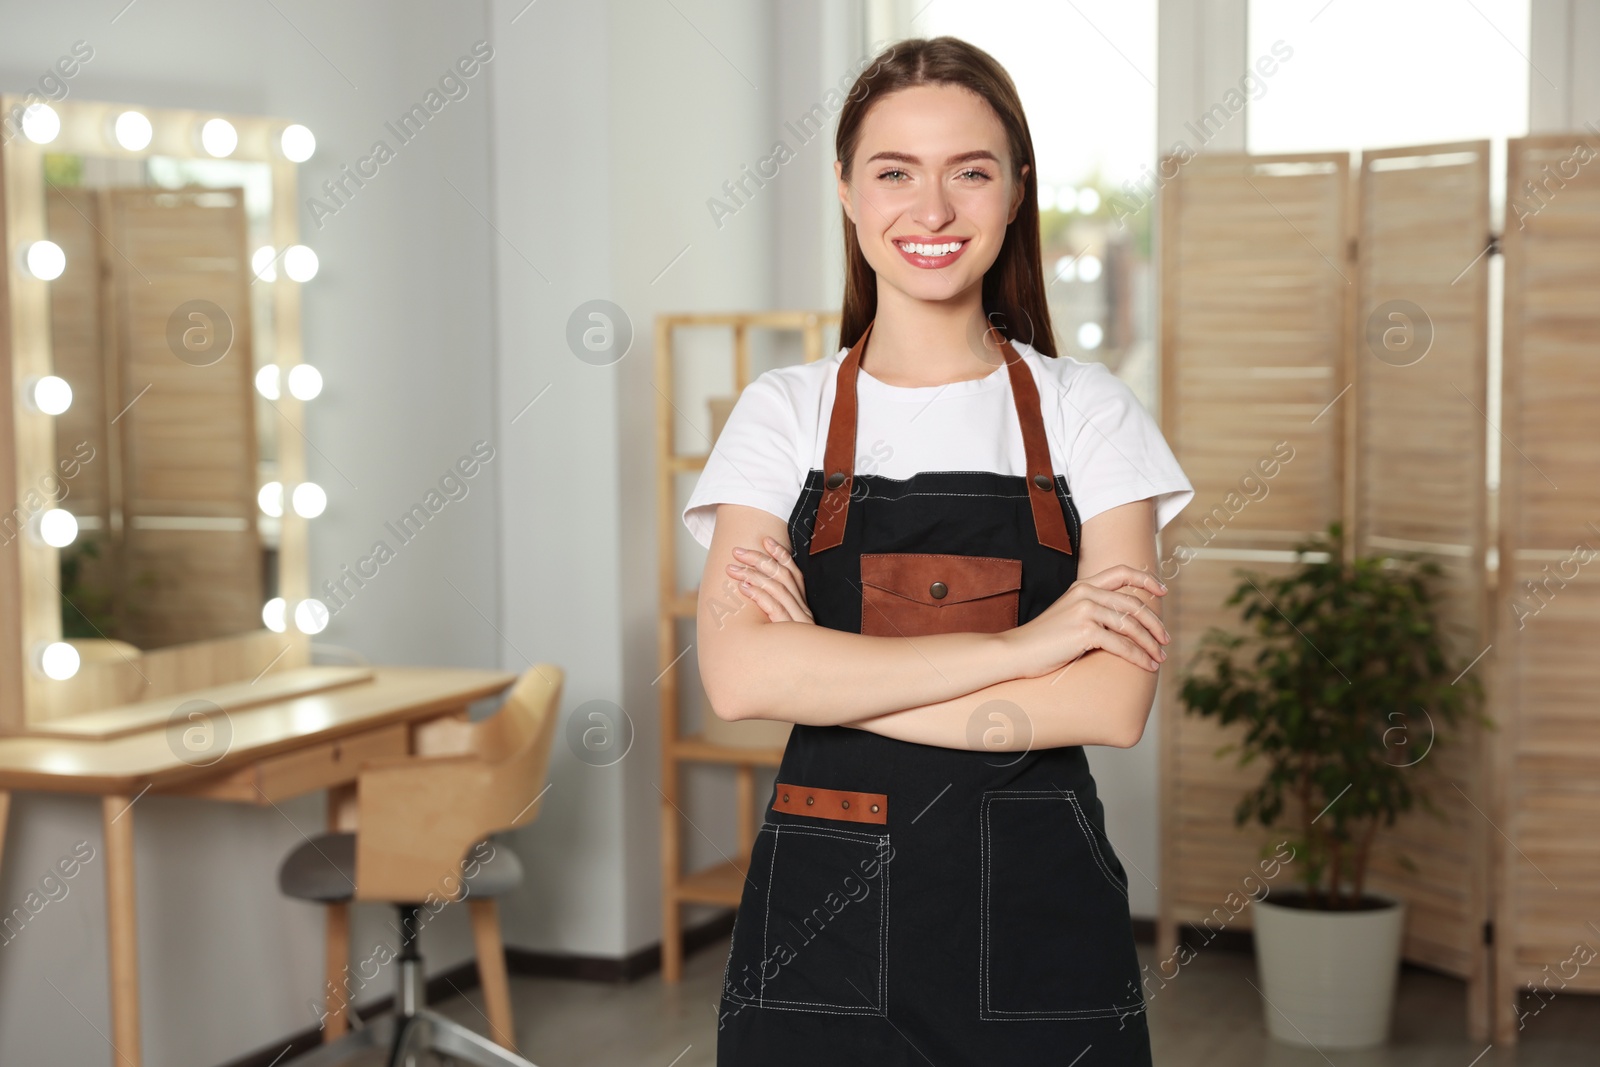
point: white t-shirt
(1101, 438)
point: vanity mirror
(153, 504)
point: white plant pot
(1328, 977)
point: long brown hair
(1013, 288)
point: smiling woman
(917, 619)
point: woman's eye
(970, 172)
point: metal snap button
(938, 589)
(874, 807)
(786, 798)
(1043, 481)
(844, 803)
(811, 800)
(836, 479)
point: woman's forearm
(817, 676)
(1098, 699)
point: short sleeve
(755, 460)
(1115, 452)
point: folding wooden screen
(1547, 607)
(1256, 291)
(1419, 485)
(1348, 320)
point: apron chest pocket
(817, 939)
(912, 594)
(1055, 940)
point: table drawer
(328, 764)
(306, 770)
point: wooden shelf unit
(719, 884)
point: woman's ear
(844, 189)
(1022, 192)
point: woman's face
(932, 170)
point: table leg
(122, 921)
(336, 939)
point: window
(1086, 72)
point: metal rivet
(938, 589)
(1043, 481)
(786, 798)
(844, 803)
(874, 807)
(811, 800)
(836, 479)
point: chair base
(424, 1031)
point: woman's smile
(931, 254)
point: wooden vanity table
(156, 603)
(312, 732)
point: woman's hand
(1095, 612)
(773, 581)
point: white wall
(400, 323)
(613, 126)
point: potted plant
(1344, 688)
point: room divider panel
(1419, 485)
(1256, 291)
(1547, 609)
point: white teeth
(931, 250)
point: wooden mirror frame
(30, 609)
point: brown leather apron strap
(839, 458)
(1048, 520)
(838, 461)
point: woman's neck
(919, 342)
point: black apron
(907, 904)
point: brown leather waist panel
(832, 804)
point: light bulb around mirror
(305, 381)
(1089, 268)
(299, 263)
(45, 260)
(297, 143)
(1088, 201)
(270, 499)
(311, 616)
(133, 130)
(1090, 335)
(310, 500)
(273, 615)
(58, 661)
(267, 379)
(40, 123)
(264, 263)
(219, 138)
(58, 527)
(50, 395)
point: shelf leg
(747, 811)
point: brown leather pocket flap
(938, 579)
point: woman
(939, 549)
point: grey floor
(1207, 1015)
